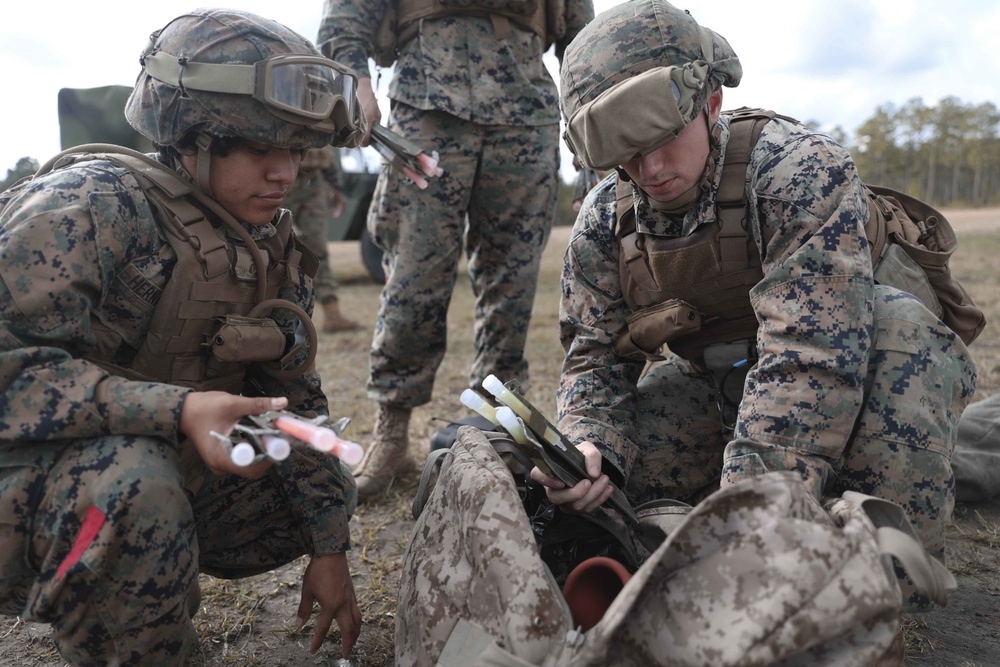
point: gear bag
(759, 573)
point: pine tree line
(947, 154)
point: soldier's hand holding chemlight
(405, 155)
(206, 411)
(588, 494)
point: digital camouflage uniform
(309, 202)
(107, 513)
(857, 386)
(82, 449)
(487, 104)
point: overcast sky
(816, 60)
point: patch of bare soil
(967, 631)
(252, 621)
(968, 220)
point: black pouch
(444, 438)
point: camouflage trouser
(505, 180)
(103, 538)
(920, 376)
(309, 202)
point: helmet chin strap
(204, 144)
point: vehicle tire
(371, 256)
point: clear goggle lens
(306, 86)
(309, 90)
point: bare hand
(205, 411)
(328, 581)
(366, 97)
(337, 203)
(588, 494)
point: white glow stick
(277, 448)
(512, 424)
(243, 454)
(240, 453)
(474, 401)
(493, 385)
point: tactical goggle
(638, 115)
(308, 90)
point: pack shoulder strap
(624, 216)
(745, 127)
(897, 537)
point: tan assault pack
(759, 573)
(911, 244)
(546, 18)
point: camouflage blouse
(81, 244)
(814, 305)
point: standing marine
(147, 301)
(469, 83)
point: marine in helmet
(701, 352)
(147, 301)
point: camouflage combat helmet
(223, 72)
(623, 69)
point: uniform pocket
(17, 510)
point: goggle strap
(211, 77)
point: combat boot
(334, 321)
(388, 454)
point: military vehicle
(96, 115)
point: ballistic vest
(693, 292)
(211, 319)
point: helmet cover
(165, 112)
(626, 43)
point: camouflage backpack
(759, 573)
